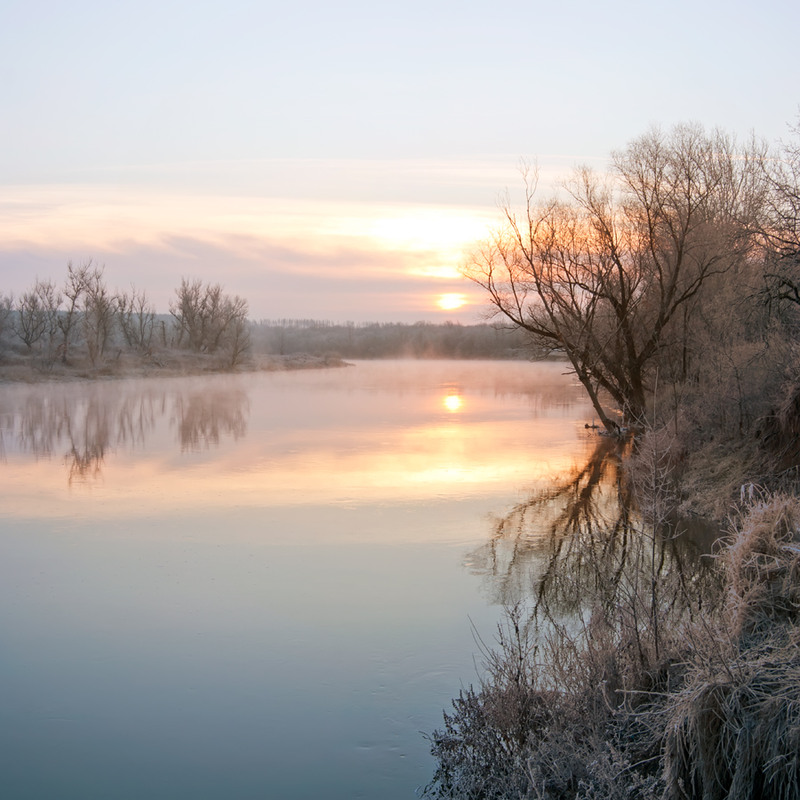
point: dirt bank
(164, 364)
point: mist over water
(260, 585)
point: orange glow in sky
(273, 248)
(376, 185)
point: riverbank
(637, 669)
(163, 364)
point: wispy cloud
(280, 278)
(279, 231)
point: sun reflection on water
(453, 402)
(144, 447)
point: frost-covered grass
(676, 686)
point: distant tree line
(390, 340)
(82, 322)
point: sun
(451, 301)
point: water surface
(259, 585)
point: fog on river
(260, 585)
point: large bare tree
(612, 276)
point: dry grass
(704, 705)
(733, 731)
(547, 721)
(521, 735)
(763, 568)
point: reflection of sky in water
(253, 586)
(282, 440)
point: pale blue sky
(333, 160)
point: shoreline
(161, 365)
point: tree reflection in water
(88, 423)
(203, 417)
(580, 545)
(567, 704)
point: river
(261, 585)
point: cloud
(289, 257)
(278, 280)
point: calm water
(258, 586)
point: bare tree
(239, 340)
(99, 310)
(70, 318)
(30, 321)
(6, 314)
(136, 318)
(613, 276)
(208, 320)
(188, 311)
(36, 320)
(213, 317)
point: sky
(339, 161)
